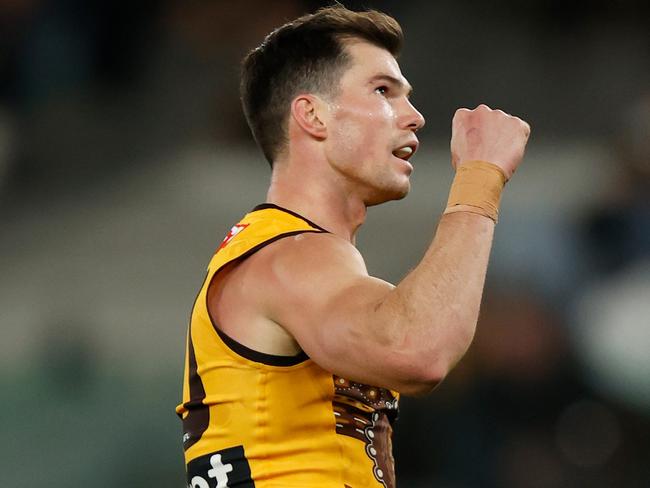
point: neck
(317, 197)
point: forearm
(432, 313)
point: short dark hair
(306, 55)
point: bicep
(320, 292)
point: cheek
(362, 132)
(349, 138)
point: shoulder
(294, 265)
(315, 249)
(299, 270)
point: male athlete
(295, 356)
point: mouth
(406, 151)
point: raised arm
(406, 337)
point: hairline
(348, 59)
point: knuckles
(484, 116)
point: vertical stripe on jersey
(198, 415)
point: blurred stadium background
(124, 159)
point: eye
(382, 90)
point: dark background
(124, 159)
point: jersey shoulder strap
(264, 224)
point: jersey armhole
(237, 347)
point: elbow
(423, 369)
(429, 381)
(419, 364)
(422, 379)
(419, 389)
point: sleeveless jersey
(252, 419)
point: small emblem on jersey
(236, 229)
(227, 468)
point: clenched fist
(488, 135)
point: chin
(383, 195)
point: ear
(309, 112)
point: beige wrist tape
(477, 189)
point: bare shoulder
(316, 251)
(302, 269)
(296, 269)
(311, 277)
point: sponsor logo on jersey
(220, 469)
(236, 229)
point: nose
(410, 118)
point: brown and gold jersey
(252, 419)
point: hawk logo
(222, 469)
(236, 229)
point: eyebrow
(395, 81)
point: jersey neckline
(263, 206)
